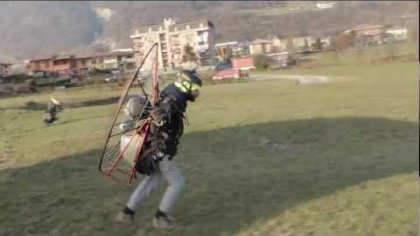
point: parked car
(226, 70)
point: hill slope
(32, 29)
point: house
(325, 5)
(41, 64)
(279, 44)
(60, 65)
(326, 41)
(242, 49)
(280, 60)
(83, 65)
(373, 33)
(118, 59)
(260, 46)
(65, 65)
(398, 33)
(234, 47)
(223, 48)
(243, 63)
(172, 38)
(302, 42)
(4, 68)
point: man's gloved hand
(158, 116)
(149, 163)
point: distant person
(54, 106)
(157, 160)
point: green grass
(364, 56)
(260, 158)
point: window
(46, 64)
(37, 65)
(139, 44)
(93, 60)
(162, 37)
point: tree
(290, 48)
(306, 48)
(317, 46)
(189, 54)
(335, 51)
(345, 41)
(261, 61)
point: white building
(172, 38)
(398, 33)
(325, 5)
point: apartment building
(60, 64)
(172, 38)
(117, 59)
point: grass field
(364, 56)
(260, 158)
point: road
(300, 79)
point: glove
(158, 116)
(149, 162)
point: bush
(31, 105)
(261, 61)
(96, 71)
(16, 78)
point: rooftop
(260, 41)
(63, 57)
(366, 26)
(117, 53)
(226, 43)
(171, 28)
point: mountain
(36, 29)
(41, 28)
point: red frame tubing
(120, 103)
(121, 155)
(156, 80)
(146, 126)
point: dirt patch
(96, 102)
(299, 79)
(39, 106)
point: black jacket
(168, 112)
(165, 130)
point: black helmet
(192, 76)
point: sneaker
(124, 218)
(162, 222)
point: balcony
(175, 42)
(163, 47)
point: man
(161, 147)
(54, 106)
